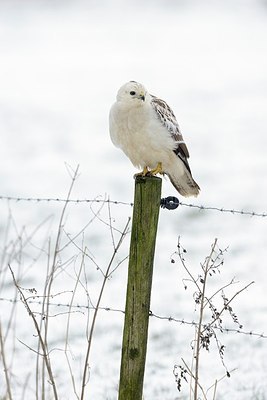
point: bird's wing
(167, 118)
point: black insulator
(170, 202)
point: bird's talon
(157, 170)
(142, 173)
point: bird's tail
(184, 183)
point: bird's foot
(157, 170)
(152, 172)
(142, 173)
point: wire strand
(151, 314)
(116, 202)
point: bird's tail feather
(184, 184)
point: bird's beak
(142, 96)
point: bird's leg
(157, 170)
(142, 173)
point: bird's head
(132, 93)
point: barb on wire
(151, 314)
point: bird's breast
(140, 134)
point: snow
(61, 66)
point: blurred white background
(61, 64)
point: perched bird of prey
(146, 129)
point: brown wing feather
(168, 119)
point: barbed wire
(116, 202)
(226, 210)
(59, 200)
(151, 314)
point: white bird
(146, 129)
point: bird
(145, 128)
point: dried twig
(86, 363)
(2, 352)
(42, 342)
(205, 332)
(206, 268)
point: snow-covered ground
(61, 64)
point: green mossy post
(142, 248)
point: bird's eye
(132, 93)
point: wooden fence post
(143, 238)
